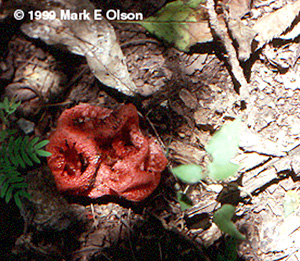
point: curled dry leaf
(37, 79)
(97, 151)
(96, 40)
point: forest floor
(193, 95)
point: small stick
(232, 59)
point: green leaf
(223, 146)
(17, 146)
(184, 200)
(18, 200)
(2, 179)
(182, 23)
(9, 194)
(291, 203)
(34, 157)
(15, 179)
(24, 155)
(32, 143)
(219, 171)
(24, 152)
(230, 250)
(43, 153)
(10, 151)
(222, 218)
(41, 144)
(18, 194)
(6, 104)
(4, 189)
(189, 173)
(24, 194)
(20, 185)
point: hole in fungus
(130, 163)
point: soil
(192, 96)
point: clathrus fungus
(97, 151)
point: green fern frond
(21, 152)
(12, 184)
(15, 153)
(18, 194)
(18, 153)
(9, 107)
(6, 133)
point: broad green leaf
(223, 147)
(222, 218)
(189, 173)
(184, 201)
(291, 202)
(182, 23)
(219, 171)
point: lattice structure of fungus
(98, 151)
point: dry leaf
(291, 34)
(37, 78)
(244, 36)
(238, 8)
(265, 29)
(96, 40)
(182, 23)
(276, 23)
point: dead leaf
(274, 24)
(182, 23)
(37, 78)
(265, 29)
(96, 40)
(187, 97)
(291, 34)
(238, 8)
(244, 36)
(234, 10)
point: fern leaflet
(15, 153)
(12, 184)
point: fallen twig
(219, 31)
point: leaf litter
(262, 172)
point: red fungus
(97, 151)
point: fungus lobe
(98, 151)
